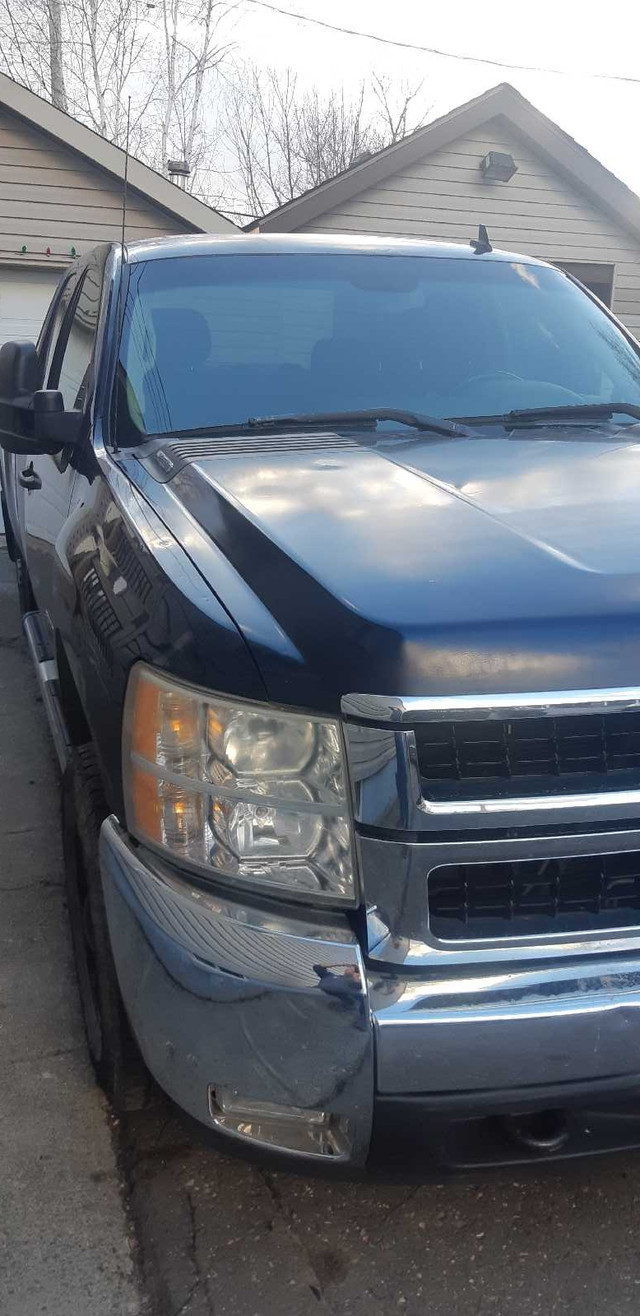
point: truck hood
(417, 565)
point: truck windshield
(212, 340)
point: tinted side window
(74, 350)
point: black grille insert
(529, 756)
(531, 897)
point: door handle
(29, 479)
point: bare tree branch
(284, 140)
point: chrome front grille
(529, 756)
(532, 897)
(497, 826)
(486, 761)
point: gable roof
(550, 142)
(103, 154)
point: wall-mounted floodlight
(498, 167)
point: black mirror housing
(32, 420)
(19, 371)
(19, 377)
(54, 428)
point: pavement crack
(393, 1211)
(183, 1305)
(201, 1280)
(318, 1287)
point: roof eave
(104, 155)
(559, 149)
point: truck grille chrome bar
(478, 760)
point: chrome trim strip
(531, 804)
(438, 708)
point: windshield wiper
(414, 419)
(577, 411)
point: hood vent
(169, 458)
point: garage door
(24, 298)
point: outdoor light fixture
(178, 167)
(498, 167)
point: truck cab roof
(288, 244)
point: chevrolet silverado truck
(329, 558)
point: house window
(597, 278)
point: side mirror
(32, 420)
(19, 377)
(54, 428)
(19, 371)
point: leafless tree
(285, 139)
(58, 88)
(110, 41)
(87, 56)
(401, 106)
(31, 46)
(80, 54)
(194, 44)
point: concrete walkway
(65, 1247)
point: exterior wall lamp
(498, 167)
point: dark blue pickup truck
(329, 558)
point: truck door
(48, 481)
(10, 464)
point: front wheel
(26, 598)
(116, 1059)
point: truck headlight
(242, 791)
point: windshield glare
(212, 340)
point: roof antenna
(125, 179)
(120, 305)
(481, 244)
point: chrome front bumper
(281, 1008)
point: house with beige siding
(558, 202)
(61, 190)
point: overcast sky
(602, 115)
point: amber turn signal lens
(145, 720)
(147, 804)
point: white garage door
(24, 298)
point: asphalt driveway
(217, 1236)
(65, 1244)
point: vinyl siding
(51, 197)
(538, 212)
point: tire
(116, 1059)
(8, 532)
(26, 597)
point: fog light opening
(541, 1131)
(289, 1129)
